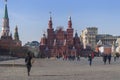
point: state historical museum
(59, 43)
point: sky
(32, 16)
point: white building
(88, 37)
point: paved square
(53, 69)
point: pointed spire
(16, 28)
(5, 23)
(50, 16)
(50, 22)
(5, 0)
(6, 11)
(43, 40)
(44, 34)
(76, 34)
(69, 18)
(16, 36)
(69, 23)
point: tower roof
(50, 22)
(70, 22)
(76, 35)
(6, 11)
(5, 26)
(16, 35)
(16, 28)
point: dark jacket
(28, 60)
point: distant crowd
(90, 57)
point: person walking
(90, 59)
(109, 58)
(104, 58)
(28, 61)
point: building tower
(43, 43)
(5, 24)
(70, 33)
(50, 33)
(89, 37)
(43, 40)
(76, 40)
(16, 35)
(77, 44)
(7, 44)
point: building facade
(106, 39)
(59, 42)
(88, 37)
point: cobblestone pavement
(52, 69)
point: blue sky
(32, 16)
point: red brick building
(60, 42)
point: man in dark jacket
(109, 58)
(90, 59)
(104, 58)
(28, 62)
